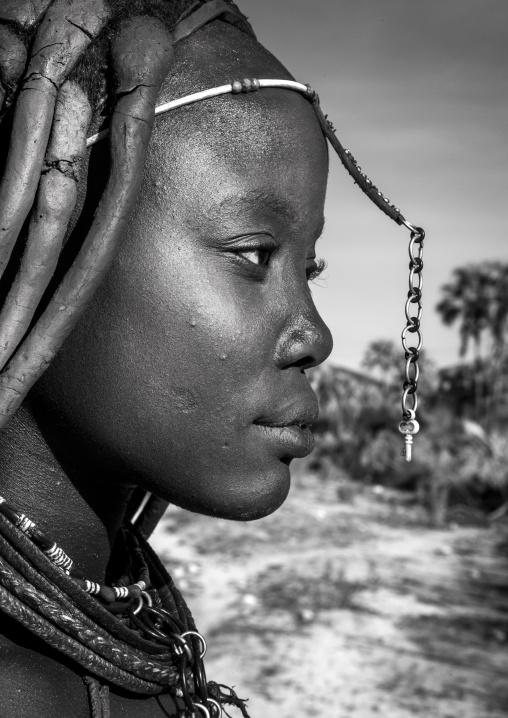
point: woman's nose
(305, 342)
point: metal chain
(412, 331)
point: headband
(253, 85)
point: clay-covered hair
(67, 66)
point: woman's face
(187, 374)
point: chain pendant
(413, 310)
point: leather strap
(349, 162)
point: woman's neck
(82, 514)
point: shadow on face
(186, 375)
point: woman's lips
(287, 428)
(291, 440)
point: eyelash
(317, 271)
(312, 274)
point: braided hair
(68, 67)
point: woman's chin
(240, 498)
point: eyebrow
(273, 203)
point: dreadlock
(65, 66)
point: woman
(185, 376)
(182, 296)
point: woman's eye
(260, 256)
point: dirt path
(350, 610)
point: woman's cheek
(206, 315)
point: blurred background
(381, 587)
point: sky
(418, 92)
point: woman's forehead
(275, 158)
(271, 126)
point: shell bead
(120, 592)
(25, 524)
(92, 587)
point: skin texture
(198, 339)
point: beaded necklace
(57, 555)
(137, 634)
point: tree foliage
(477, 299)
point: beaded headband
(408, 426)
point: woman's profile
(155, 331)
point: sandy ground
(348, 608)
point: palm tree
(477, 299)
(498, 330)
(466, 299)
